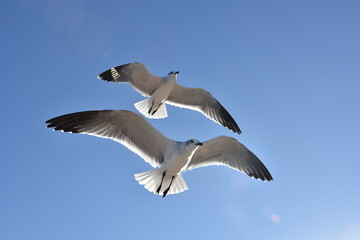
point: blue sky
(287, 71)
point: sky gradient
(287, 71)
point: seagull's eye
(192, 141)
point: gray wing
(135, 74)
(229, 152)
(200, 100)
(125, 127)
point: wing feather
(202, 101)
(134, 74)
(125, 127)
(229, 152)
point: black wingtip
(270, 178)
(69, 122)
(228, 121)
(110, 75)
(113, 74)
(265, 175)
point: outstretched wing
(135, 74)
(229, 152)
(200, 100)
(125, 127)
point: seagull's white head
(193, 143)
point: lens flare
(275, 218)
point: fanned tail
(145, 105)
(152, 179)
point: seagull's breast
(177, 159)
(164, 90)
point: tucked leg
(167, 190)
(156, 109)
(162, 179)
(152, 105)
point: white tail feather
(161, 112)
(145, 105)
(152, 179)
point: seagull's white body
(154, 107)
(162, 90)
(178, 158)
(169, 158)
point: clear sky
(287, 71)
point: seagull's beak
(199, 144)
(177, 72)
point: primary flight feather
(169, 158)
(161, 90)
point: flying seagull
(169, 158)
(161, 90)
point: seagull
(161, 90)
(169, 158)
